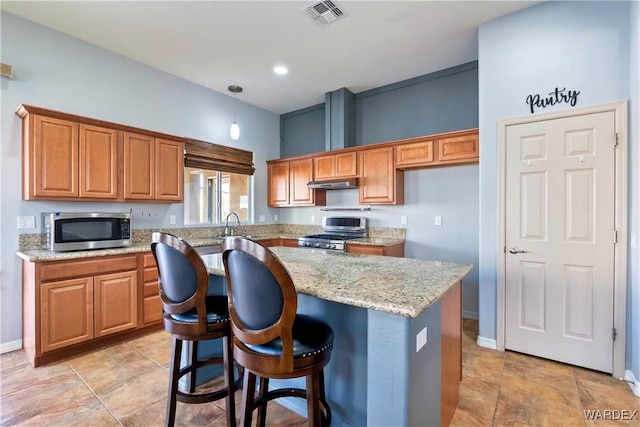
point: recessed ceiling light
(279, 69)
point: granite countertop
(40, 255)
(402, 286)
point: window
(217, 181)
(209, 196)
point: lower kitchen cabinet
(396, 250)
(151, 304)
(76, 305)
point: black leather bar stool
(270, 339)
(191, 315)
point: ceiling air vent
(324, 12)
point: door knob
(516, 250)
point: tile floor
(125, 384)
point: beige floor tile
(532, 363)
(478, 399)
(517, 408)
(137, 393)
(109, 368)
(24, 376)
(65, 400)
(485, 366)
(155, 346)
(544, 384)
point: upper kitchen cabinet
(63, 159)
(153, 168)
(461, 147)
(436, 150)
(332, 166)
(288, 184)
(381, 182)
(68, 157)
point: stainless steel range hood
(336, 184)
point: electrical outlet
(403, 220)
(25, 222)
(438, 220)
(421, 339)
(275, 218)
(172, 219)
(313, 218)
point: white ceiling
(219, 43)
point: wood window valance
(205, 155)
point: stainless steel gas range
(336, 231)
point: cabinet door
(382, 183)
(152, 306)
(54, 159)
(139, 166)
(169, 170)
(115, 303)
(458, 149)
(324, 167)
(416, 154)
(98, 162)
(301, 173)
(346, 165)
(278, 180)
(66, 313)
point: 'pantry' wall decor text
(553, 98)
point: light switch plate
(25, 222)
(438, 220)
(260, 218)
(313, 218)
(275, 218)
(172, 219)
(403, 220)
(421, 339)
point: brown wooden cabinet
(333, 166)
(414, 155)
(67, 313)
(381, 182)
(461, 148)
(287, 184)
(63, 159)
(396, 250)
(151, 304)
(153, 168)
(69, 306)
(68, 157)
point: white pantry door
(560, 193)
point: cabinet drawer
(150, 289)
(148, 260)
(458, 149)
(88, 267)
(150, 275)
(152, 309)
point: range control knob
(333, 246)
(307, 244)
(327, 245)
(317, 245)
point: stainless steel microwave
(75, 231)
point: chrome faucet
(226, 224)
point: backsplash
(32, 241)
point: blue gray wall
(579, 45)
(55, 71)
(439, 102)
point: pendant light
(234, 132)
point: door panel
(560, 190)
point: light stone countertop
(40, 255)
(402, 286)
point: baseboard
(6, 347)
(633, 382)
(466, 314)
(487, 343)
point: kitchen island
(397, 321)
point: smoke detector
(324, 12)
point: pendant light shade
(234, 132)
